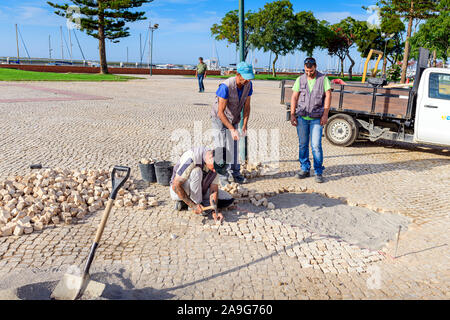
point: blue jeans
(310, 130)
(200, 82)
(222, 138)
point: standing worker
(200, 73)
(232, 96)
(310, 104)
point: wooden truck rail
(396, 103)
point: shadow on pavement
(119, 287)
(36, 291)
(235, 269)
(419, 251)
(337, 172)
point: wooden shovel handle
(105, 216)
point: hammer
(212, 207)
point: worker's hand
(324, 119)
(235, 134)
(217, 217)
(293, 120)
(198, 209)
(244, 131)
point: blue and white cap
(245, 70)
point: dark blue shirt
(222, 92)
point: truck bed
(360, 98)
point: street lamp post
(155, 26)
(243, 142)
(241, 31)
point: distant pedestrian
(200, 73)
(310, 105)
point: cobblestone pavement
(163, 254)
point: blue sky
(184, 32)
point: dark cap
(309, 62)
(222, 158)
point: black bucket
(148, 172)
(163, 170)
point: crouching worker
(195, 181)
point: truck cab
(432, 120)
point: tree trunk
(350, 70)
(407, 46)
(274, 72)
(342, 66)
(434, 58)
(101, 42)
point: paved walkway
(160, 253)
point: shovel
(72, 287)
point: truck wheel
(341, 130)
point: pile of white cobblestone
(242, 194)
(52, 196)
(254, 170)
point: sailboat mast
(17, 44)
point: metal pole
(79, 46)
(151, 55)
(49, 47)
(242, 142)
(398, 239)
(140, 47)
(62, 43)
(149, 44)
(384, 57)
(70, 43)
(241, 31)
(17, 44)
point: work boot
(180, 205)
(240, 179)
(223, 181)
(319, 178)
(302, 174)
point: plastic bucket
(163, 170)
(148, 172)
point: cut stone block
(5, 216)
(7, 230)
(18, 230)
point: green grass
(285, 77)
(20, 75)
(260, 77)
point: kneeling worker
(195, 180)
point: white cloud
(161, 3)
(181, 1)
(336, 16)
(190, 23)
(31, 15)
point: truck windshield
(439, 86)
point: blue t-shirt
(222, 92)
